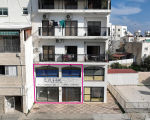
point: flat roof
(110, 71)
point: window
(71, 72)
(47, 71)
(25, 11)
(113, 29)
(94, 94)
(118, 29)
(94, 73)
(124, 29)
(145, 55)
(118, 35)
(131, 40)
(146, 48)
(8, 70)
(3, 11)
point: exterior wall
(29, 73)
(136, 49)
(98, 84)
(123, 79)
(126, 62)
(1, 104)
(147, 52)
(144, 78)
(15, 14)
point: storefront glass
(50, 94)
(94, 94)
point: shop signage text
(52, 80)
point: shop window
(25, 11)
(47, 71)
(93, 94)
(94, 73)
(71, 72)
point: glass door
(53, 94)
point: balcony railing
(73, 57)
(12, 49)
(75, 4)
(74, 31)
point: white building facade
(16, 58)
(66, 36)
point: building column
(105, 87)
(60, 94)
(23, 104)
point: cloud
(137, 1)
(121, 9)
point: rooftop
(110, 71)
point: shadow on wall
(144, 78)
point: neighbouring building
(16, 56)
(66, 35)
(117, 31)
(140, 50)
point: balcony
(74, 32)
(74, 6)
(10, 49)
(73, 58)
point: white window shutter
(10, 70)
(6, 70)
(14, 70)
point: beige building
(140, 50)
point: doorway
(49, 53)
(93, 53)
(71, 94)
(94, 28)
(71, 28)
(71, 52)
(50, 94)
(47, 30)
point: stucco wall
(144, 78)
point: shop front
(58, 84)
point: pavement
(87, 107)
(77, 116)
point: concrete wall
(123, 79)
(136, 49)
(144, 78)
(1, 104)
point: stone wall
(144, 78)
(1, 104)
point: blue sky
(131, 12)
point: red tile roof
(110, 71)
(120, 55)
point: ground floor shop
(70, 83)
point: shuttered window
(11, 70)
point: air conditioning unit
(45, 16)
(69, 17)
(37, 49)
(58, 41)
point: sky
(135, 14)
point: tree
(117, 66)
(146, 64)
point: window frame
(91, 94)
(3, 13)
(8, 70)
(25, 10)
(47, 75)
(95, 75)
(77, 68)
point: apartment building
(70, 39)
(117, 31)
(16, 57)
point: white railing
(124, 61)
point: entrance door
(70, 94)
(71, 28)
(72, 52)
(47, 30)
(49, 53)
(93, 53)
(53, 94)
(10, 105)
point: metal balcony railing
(74, 31)
(10, 49)
(74, 4)
(73, 57)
